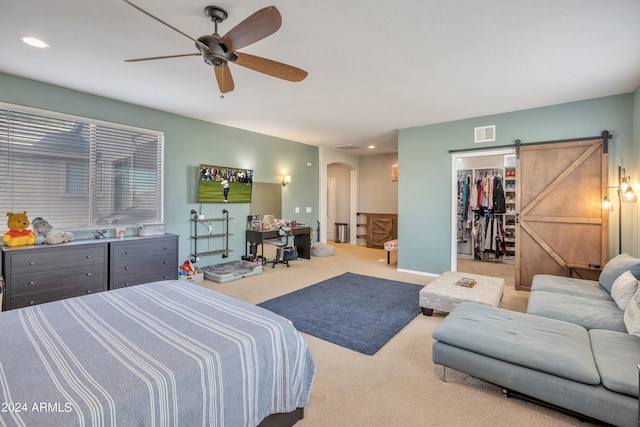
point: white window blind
(79, 173)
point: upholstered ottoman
(443, 294)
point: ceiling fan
(219, 51)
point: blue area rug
(358, 312)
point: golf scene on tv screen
(222, 184)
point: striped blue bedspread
(167, 353)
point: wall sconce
(625, 195)
(286, 180)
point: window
(79, 173)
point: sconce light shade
(625, 191)
(628, 196)
(624, 183)
(286, 180)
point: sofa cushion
(569, 286)
(624, 288)
(617, 356)
(615, 267)
(590, 313)
(558, 348)
(632, 315)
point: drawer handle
(89, 291)
(88, 274)
(88, 256)
(165, 263)
(32, 283)
(126, 252)
(32, 263)
(126, 284)
(31, 302)
(126, 268)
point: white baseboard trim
(421, 273)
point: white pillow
(623, 289)
(632, 315)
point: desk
(301, 240)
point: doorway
(331, 207)
(470, 244)
(339, 204)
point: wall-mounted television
(223, 184)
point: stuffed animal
(18, 235)
(42, 229)
(45, 234)
(59, 237)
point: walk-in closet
(486, 202)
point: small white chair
(281, 244)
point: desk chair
(282, 245)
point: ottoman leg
(427, 311)
(388, 257)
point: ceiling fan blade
(270, 67)
(261, 24)
(225, 81)
(199, 43)
(151, 58)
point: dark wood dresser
(41, 273)
(137, 260)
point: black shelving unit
(224, 235)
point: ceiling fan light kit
(220, 51)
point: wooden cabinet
(139, 260)
(380, 228)
(38, 274)
(43, 273)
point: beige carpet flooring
(399, 385)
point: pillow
(623, 289)
(614, 268)
(632, 315)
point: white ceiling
(374, 67)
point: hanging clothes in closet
(488, 225)
(464, 205)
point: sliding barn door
(559, 200)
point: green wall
(188, 143)
(424, 193)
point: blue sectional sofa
(572, 349)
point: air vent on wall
(484, 134)
(345, 147)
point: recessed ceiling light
(372, 146)
(32, 41)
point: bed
(167, 353)
(232, 270)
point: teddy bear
(18, 235)
(45, 234)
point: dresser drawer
(45, 260)
(149, 265)
(128, 252)
(57, 279)
(34, 298)
(137, 279)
